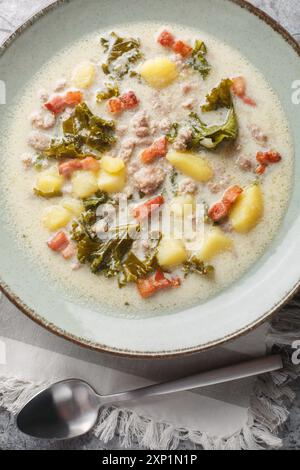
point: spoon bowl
(65, 410)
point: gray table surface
(12, 13)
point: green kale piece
(122, 53)
(82, 129)
(219, 97)
(110, 91)
(198, 59)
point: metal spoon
(70, 408)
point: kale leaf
(220, 97)
(211, 137)
(82, 129)
(101, 197)
(122, 53)
(194, 266)
(110, 91)
(198, 59)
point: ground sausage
(187, 186)
(149, 178)
(127, 149)
(38, 140)
(258, 135)
(244, 163)
(42, 120)
(183, 138)
(140, 123)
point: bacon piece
(60, 102)
(218, 211)
(115, 105)
(67, 168)
(166, 39)
(158, 149)
(125, 102)
(90, 164)
(221, 209)
(265, 159)
(145, 210)
(231, 195)
(239, 89)
(149, 287)
(129, 100)
(59, 242)
(182, 48)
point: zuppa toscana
(171, 124)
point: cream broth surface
(25, 211)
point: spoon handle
(226, 374)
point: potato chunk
(112, 165)
(74, 206)
(49, 182)
(159, 73)
(215, 242)
(84, 184)
(56, 217)
(183, 206)
(171, 253)
(112, 183)
(248, 209)
(84, 75)
(191, 165)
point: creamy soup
(169, 123)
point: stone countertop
(13, 13)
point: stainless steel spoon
(70, 408)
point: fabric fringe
(268, 410)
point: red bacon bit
(221, 209)
(265, 159)
(129, 100)
(182, 48)
(239, 89)
(149, 287)
(115, 105)
(260, 170)
(59, 242)
(60, 102)
(66, 169)
(166, 39)
(145, 210)
(158, 149)
(90, 164)
(125, 102)
(231, 195)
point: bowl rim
(30, 313)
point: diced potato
(183, 206)
(84, 184)
(159, 73)
(171, 253)
(112, 183)
(74, 206)
(112, 165)
(191, 165)
(49, 182)
(248, 209)
(215, 242)
(84, 75)
(56, 217)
